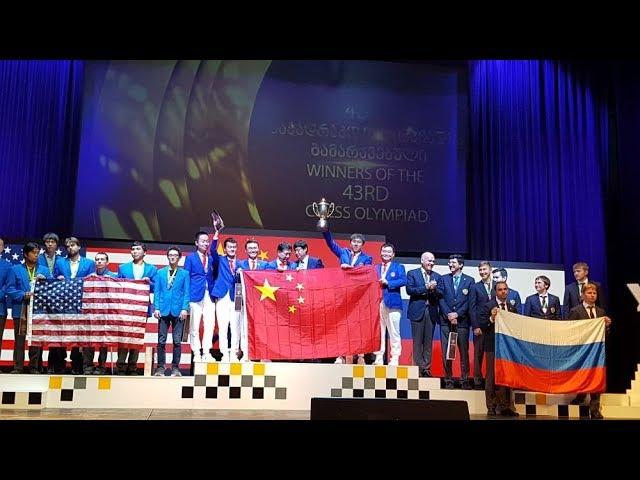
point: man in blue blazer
(201, 305)
(392, 277)
(223, 291)
(50, 257)
(455, 290)
(252, 262)
(349, 257)
(281, 263)
(4, 273)
(20, 282)
(137, 269)
(304, 261)
(513, 297)
(573, 291)
(171, 304)
(543, 304)
(423, 310)
(72, 266)
(101, 260)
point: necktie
(544, 304)
(503, 306)
(456, 282)
(384, 270)
(253, 264)
(232, 265)
(581, 287)
(487, 287)
(591, 314)
(354, 257)
(204, 261)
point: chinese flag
(326, 312)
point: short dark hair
(251, 240)
(30, 247)
(201, 232)
(545, 280)
(101, 253)
(138, 243)
(483, 263)
(388, 245)
(457, 257)
(501, 281)
(357, 236)
(51, 236)
(72, 240)
(229, 240)
(176, 248)
(501, 271)
(284, 246)
(301, 244)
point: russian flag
(550, 356)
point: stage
(270, 390)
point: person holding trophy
(349, 257)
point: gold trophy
(323, 210)
(216, 218)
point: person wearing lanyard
(171, 304)
(20, 284)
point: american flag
(90, 312)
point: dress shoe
(466, 386)
(491, 412)
(425, 373)
(478, 386)
(507, 412)
(99, 371)
(449, 385)
(17, 371)
(596, 415)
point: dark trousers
(177, 326)
(87, 358)
(594, 402)
(498, 397)
(422, 334)
(463, 347)
(57, 360)
(478, 356)
(131, 365)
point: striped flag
(550, 356)
(90, 312)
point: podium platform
(271, 386)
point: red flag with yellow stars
(320, 313)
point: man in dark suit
(455, 291)
(543, 304)
(423, 310)
(587, 310)
(305, 262)
(482, 293)
(573, 291)
(501, 275)
(498, 397)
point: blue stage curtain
(40, 109)
(539, 141)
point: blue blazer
(63, 267)
(198, 278)
(478, 299)
(274, 266)
(312, 262)
(345, 254)
(396, 278)
(224, 280)
(532, 307)
(42, 261)
(170, 301)
(5, 267)
(244, 264)
(419, 295)
(18, 284)
(452, 300)
(126, 271)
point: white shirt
(593, 307)
(302, 264)
(73, 266)
(138, 271)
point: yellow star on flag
(292, 309)
(263, 255)
(300, 300)
(299, 286)
(220, 249)
(267, 291)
